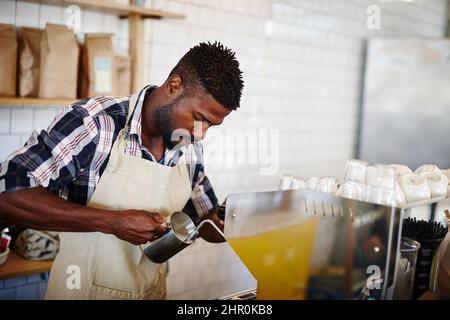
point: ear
(174, 85)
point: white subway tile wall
(303, 66)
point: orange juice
(279, 259)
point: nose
(201, 135)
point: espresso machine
(302, 244)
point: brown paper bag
(98, 75)
(123, 67)
(29, 61)
(59, 63)
(83, 80)
(8, 60)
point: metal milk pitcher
(181, 233)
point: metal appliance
(309, 245)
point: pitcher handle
(201, 224)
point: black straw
(425, 230)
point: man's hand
(38, 208)
(138, 226)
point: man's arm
(39, 208)
(31, 178)
(203, 203)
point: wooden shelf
(135, 14)
(34, 102)
(115, 8)
(16, 266)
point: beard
(171, 138)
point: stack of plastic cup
(353, 186)
(381, 181)
(290, 182)
(286, 182)
(327, 185)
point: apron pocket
(159, 290)
(104, 293)
(122, 271)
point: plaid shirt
(71, 155)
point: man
(108, 170)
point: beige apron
(110, 268)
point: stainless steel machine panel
(309, 245)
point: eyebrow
(209, 121)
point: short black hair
(216, 69)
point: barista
(99, 175)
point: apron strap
(135, 98)
(120, 145)
(131, 108)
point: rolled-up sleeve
(203, 199)
(53, 157)
(203, 196)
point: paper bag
(83, 80)
(123, 67)
(98, 75)
(8, 60)
(59, 63)
(29, 61)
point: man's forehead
(214, 107)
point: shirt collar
(136, 118)
(135, 128)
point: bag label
(102, 74)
